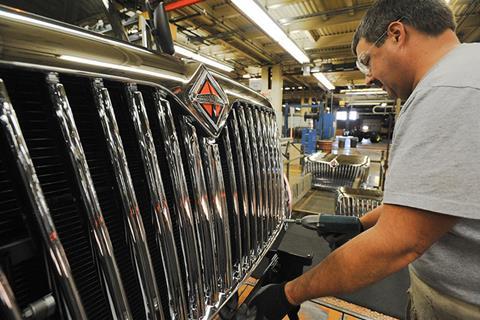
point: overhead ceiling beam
(333, 41)
(180, 4)
(317, 22)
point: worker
(430, 217)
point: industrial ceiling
(323, 29)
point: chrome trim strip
(258, 181)
(275, 170)
(161, 213)
(251, 181)
(281, 213)
(263, 170)
(203, 211)
(232, 190)
(269, 167)
(19, 148)
(100, 236)
(8, 306)
(196, 300)
(242, 186)
(135, 231)
(214, 175)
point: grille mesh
(29, 96)
(103, 176)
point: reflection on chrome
(242, 188)
(257, 181)
(213, 169)
(196, 300)
(252, 199)
(70, 29)
(140, 71)
(135, 231)
(101, 238)
(161, 213)
(8, 306)
(263, 170)
(231, 190)
(204, 215)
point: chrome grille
(165, 220)
(334, 171)
(357, 202)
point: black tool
(335, 229)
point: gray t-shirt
(435, 166)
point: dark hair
(431, 17)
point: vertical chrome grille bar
(137, 238)
(100, 236)
(161, 213)
(61, 267)
(232, 190)
(196, 299)
(256, 167)
(281, 181)
(278, 170)
(217, 198)
(252, 198)
(242, 187)
(269, 167)
(8, 306)
(263, 170)
(204, 215)
(274, 170)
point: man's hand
(271, 303)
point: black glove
(271, 302)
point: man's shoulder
(459, 68)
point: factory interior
(290, 61)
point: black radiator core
(30, 97)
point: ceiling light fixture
(324, 81)
(209, 61)
(367, 91)
(256, 14)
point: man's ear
(397, 31)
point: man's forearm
(400, 235)
(371, 218)
(362, 261)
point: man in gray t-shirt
(430, 218)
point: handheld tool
(335, 229)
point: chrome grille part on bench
(332, 171)
(357, 202)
